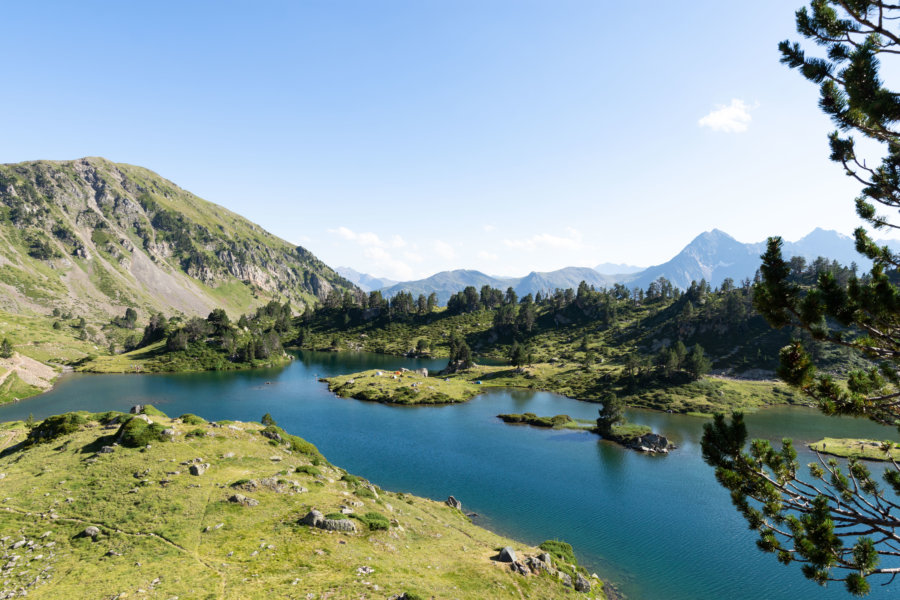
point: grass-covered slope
(232, 531)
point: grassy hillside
(91, 238)
(235, 530)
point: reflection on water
(659, 526)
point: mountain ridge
(94, 237)
(712, 255)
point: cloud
(734, 118)
(487, 255)
(396, 269)
(572, 241)
(368, 239)
(443, 249)
(488, 228)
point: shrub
(240, 482)
(309, 470)
(337, 516)
(152, 411)
(136, 433)
(105, 417)
(351, 479)
(189, 419)
(365, 493)
(560, 550)
(195, 433)
(54, 427)
(375, 521)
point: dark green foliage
(195, 433)
(190, 419)
(54, 427)
(309, 470)
(336, 516)
(560, 551)
(267, 420)
(374, 521)
(6, 349)
(612, 413)
(351, 479)
(824, 524)
(533, 419)
(518, 356)
(137, 433)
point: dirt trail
(28, 370)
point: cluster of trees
(357, 307)
(256, 336)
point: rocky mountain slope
(91, 237)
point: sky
(406, 137)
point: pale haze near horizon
(406, 138)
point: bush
(105, 417)
(337, 516)
(560, 550)
(136, 433)
(54, 427)
(189, 419)
(375, 521)
(365, 493)
(152, 411)
(351, 479)
(196, 433)
(309, 470)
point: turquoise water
(659, 527)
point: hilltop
(117, 506)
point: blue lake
(658, 527)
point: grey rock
(339, 525)
(519, 568)
(565, 578)
(454, 503)
(137, 409)
(313, 518)
(546, 558)
(199, 469)
(507, 555)
(107, 450)
(653, 442)
(91, 532)
(243, 500)
(581, 583)
(169, 432)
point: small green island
(858, 448)
(142, 505)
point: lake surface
(657, 526)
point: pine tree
(612, 412)
(6, 349)
(836, 522)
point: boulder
(507, 555)
(243, 500)
(519, 568)
(169, 432)
(454, 503)
(339, 525)
(581, 583)
(91, 532)
(565, 578)
(137, 409)
(653, 442)
(272, 435)
(199, 469)
(546, 558)
(313, 518)
(107, 450)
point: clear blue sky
(406, 137)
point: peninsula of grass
(221, 515)
(700, 398)
(856, 448)
(556, 422)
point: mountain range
(93, 237)
(712, 255)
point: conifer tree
(837, 522)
